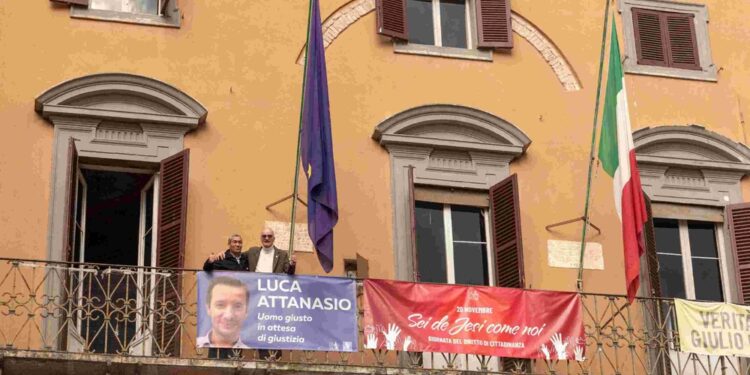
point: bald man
(267, 258)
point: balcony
(66, 318)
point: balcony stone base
(27, 362)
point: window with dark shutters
(739, 235)
(493, 24)
(506, 233)
(391, 18)
(171, 249)
(665, 39)
(70, 199)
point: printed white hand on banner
(372, 341)
(545, 351)
(560, 346)
(407, 342)
(579, 354)
(391, 336)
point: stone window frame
(449, 146)
(699, 11)
(115, 118)
(171, 17)
(691, 173)
(472, 52)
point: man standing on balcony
(233, 259)
(267, 258)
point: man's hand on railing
(216, 257)
(391, 336)
(560, 346)
(372, 341)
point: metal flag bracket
(290, 196)
(581, 218)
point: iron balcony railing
(94, 312)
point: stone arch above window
(449, 146)
(690, 165)
(452, 146)
(121, 116)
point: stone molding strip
(352, 11)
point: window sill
(170, 20)
(450, 52)
(696, 75)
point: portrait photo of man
(227, 308)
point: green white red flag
(617, 155)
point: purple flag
(317, 146)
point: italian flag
(617, 155)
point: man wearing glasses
(267, 258)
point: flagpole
(299, 134)
(579, 283)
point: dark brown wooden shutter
(683, 47)
(652, 261)
(70, 201)
(506, 233)
(77, 2)
(739, 236)
(170, 250)
(164, 4)
(656, 310)
(665, 39)
(649, 37)
(391, 16)
(68, 242)
(413, 225)
(494, 24)
(172, 210)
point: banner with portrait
(493, 321)
(275, 311)
(713, 328)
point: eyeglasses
(266, 236)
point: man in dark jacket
(233, 259)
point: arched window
(119, 195)
(691, 175)
(456, 155)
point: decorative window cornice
(121, 97)
(690, 165)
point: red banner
(501, 322)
